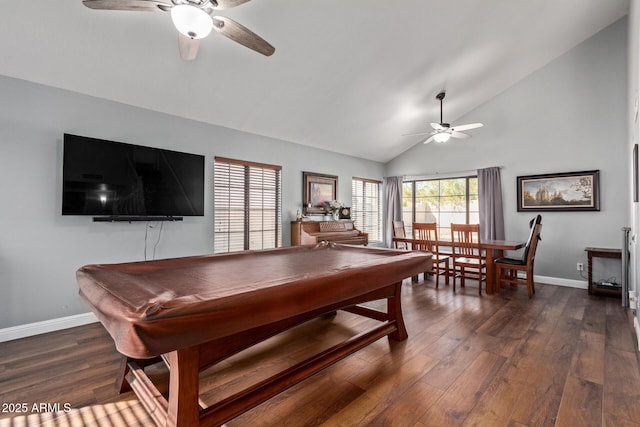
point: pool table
(194, 312)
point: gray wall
(571, 115)
(40, 249)
(633, 96)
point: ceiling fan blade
(437, 126)
(416, 134)
(428, 140)
(460, 135)
(137, 5)
(240, 34)
(468, 127)
(227, 4)
(188, 47)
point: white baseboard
(37, 328)
(570, 283)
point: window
(366, 207)
(443, 201)
(247, 206)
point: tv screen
(117, 179)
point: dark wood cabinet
(597, 288)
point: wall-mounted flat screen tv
(117, 179)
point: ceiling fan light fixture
(191, 21)
(441, 137)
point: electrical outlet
(580, 266)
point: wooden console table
(594, 288)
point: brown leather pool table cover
(154, 307)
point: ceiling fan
(443, 131)
(194, 20)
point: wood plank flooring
(563, 358)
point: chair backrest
(398, 231)
(537, 220)
(535, 238)
(465, 239)
(425, 235)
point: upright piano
(313, 232)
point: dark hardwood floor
(563, 358)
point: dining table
(493, 249)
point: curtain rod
(447, 174)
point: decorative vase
(336, 215)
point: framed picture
(318, 191)
(570, 191)
(635, 172)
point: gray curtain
(490, 201)
(394, 205)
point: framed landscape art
(570, 191)
(318, 191)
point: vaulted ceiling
(349, 76)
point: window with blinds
(366, 207)
(247, 206)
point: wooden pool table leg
(121, 381)
(394, 311)
(184, 409)
(122, 384)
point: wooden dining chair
(512, 266)
(468, 258)
(398, 231)
(425, 236)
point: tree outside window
(443, 201)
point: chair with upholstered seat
(524, 263)
(425, 236)
(468, 259)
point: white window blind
(366, 207)
(247, 206)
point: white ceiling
(348, 76)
